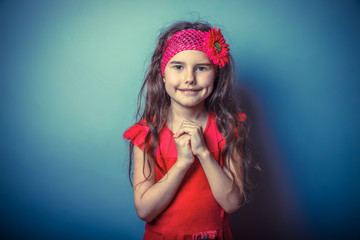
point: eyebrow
(177, 62)
(182, 63)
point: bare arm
(152, 197)
(221, 182)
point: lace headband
(212, 43)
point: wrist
(182, 165)
(203, 155)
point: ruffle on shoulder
(137, 133)
(241, 117)
(240, 120)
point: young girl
(188, 147)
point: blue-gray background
(70, 72)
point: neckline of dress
(205, 130)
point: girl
(188, 147)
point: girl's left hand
(193, 129)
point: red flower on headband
(216, 47)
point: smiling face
(189, 79)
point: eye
(201, 68)
(178, 67)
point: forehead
(191, 56)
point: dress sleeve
(137, 133)
(241, 117)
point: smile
(189, 91)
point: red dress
(193, 213)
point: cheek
(210, 88)
(211, 82)
(169, 88)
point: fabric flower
(216, 48)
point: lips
(189, 91)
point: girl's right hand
(185, 156)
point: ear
(164, 80)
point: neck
(197, 114)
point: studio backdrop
(70, 73)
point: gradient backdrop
(70, 72)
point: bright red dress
(193, 213)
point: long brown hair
(221, 102)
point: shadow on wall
(271, 212)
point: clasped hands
(189, 142)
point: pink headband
(212, 43)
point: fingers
(188, 127)
(183, 146)
(183, 140)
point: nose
(190, 77)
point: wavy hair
(221, 102)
